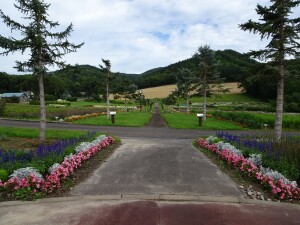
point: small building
(22, 97)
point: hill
(232, 65)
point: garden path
(158, 166)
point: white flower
(26, 172)
(255, 159)
(53, 167)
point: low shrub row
(79, 117)
(273, 181)
(283, 155)
(257, 120)
(65, 103)
(26, 111)
(41, 157)
(28, 183)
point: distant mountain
(233, 66)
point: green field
(126, 119)
(181, 120)
(34, 133)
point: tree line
(47, 49)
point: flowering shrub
(27, 181)
(79, 117)
(25, 173)
(56, 105)
(117, 107)
(276, 183)
(283, 155)
(255, 159)
(53, 167)
(222, 146)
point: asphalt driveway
(158, 166)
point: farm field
(164, 91)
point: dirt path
(157, 120)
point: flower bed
(28, 181)
(273, 181)
(79, 117)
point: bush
(13, 100)
(3, 175)
(2, 107)
(257, 120)
(119, 102)
(49, 97)
(58, 103)
(72, 99)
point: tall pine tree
(46, 48)
(185, 85)
(106, 69)
(208, 78)
(282, 31)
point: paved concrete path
(158, 166)
(91, 211)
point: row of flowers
(273, 181)
(30, 179)
(79, 117)
(116, 107)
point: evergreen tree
(106, 68)
(282, 31)
(185, 85)
(46, 48)
(208, 78)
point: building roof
(10, 95)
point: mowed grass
(164, 91)
(126, 119)
(191, 121)
(34, 133)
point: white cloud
(137, 35)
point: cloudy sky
(138, 35)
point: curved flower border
(276, 187)
(53, 181)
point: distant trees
(282, 31)
(46, 47)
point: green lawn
(129, 119)
(34, 133)
(181, 120)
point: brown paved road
(82, 212)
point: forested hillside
(258, 79)
(232, 66)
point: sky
(138, 35)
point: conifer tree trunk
(187, 105)
(204, 99)
(280, 87)
(42, 110)
(107, 101)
